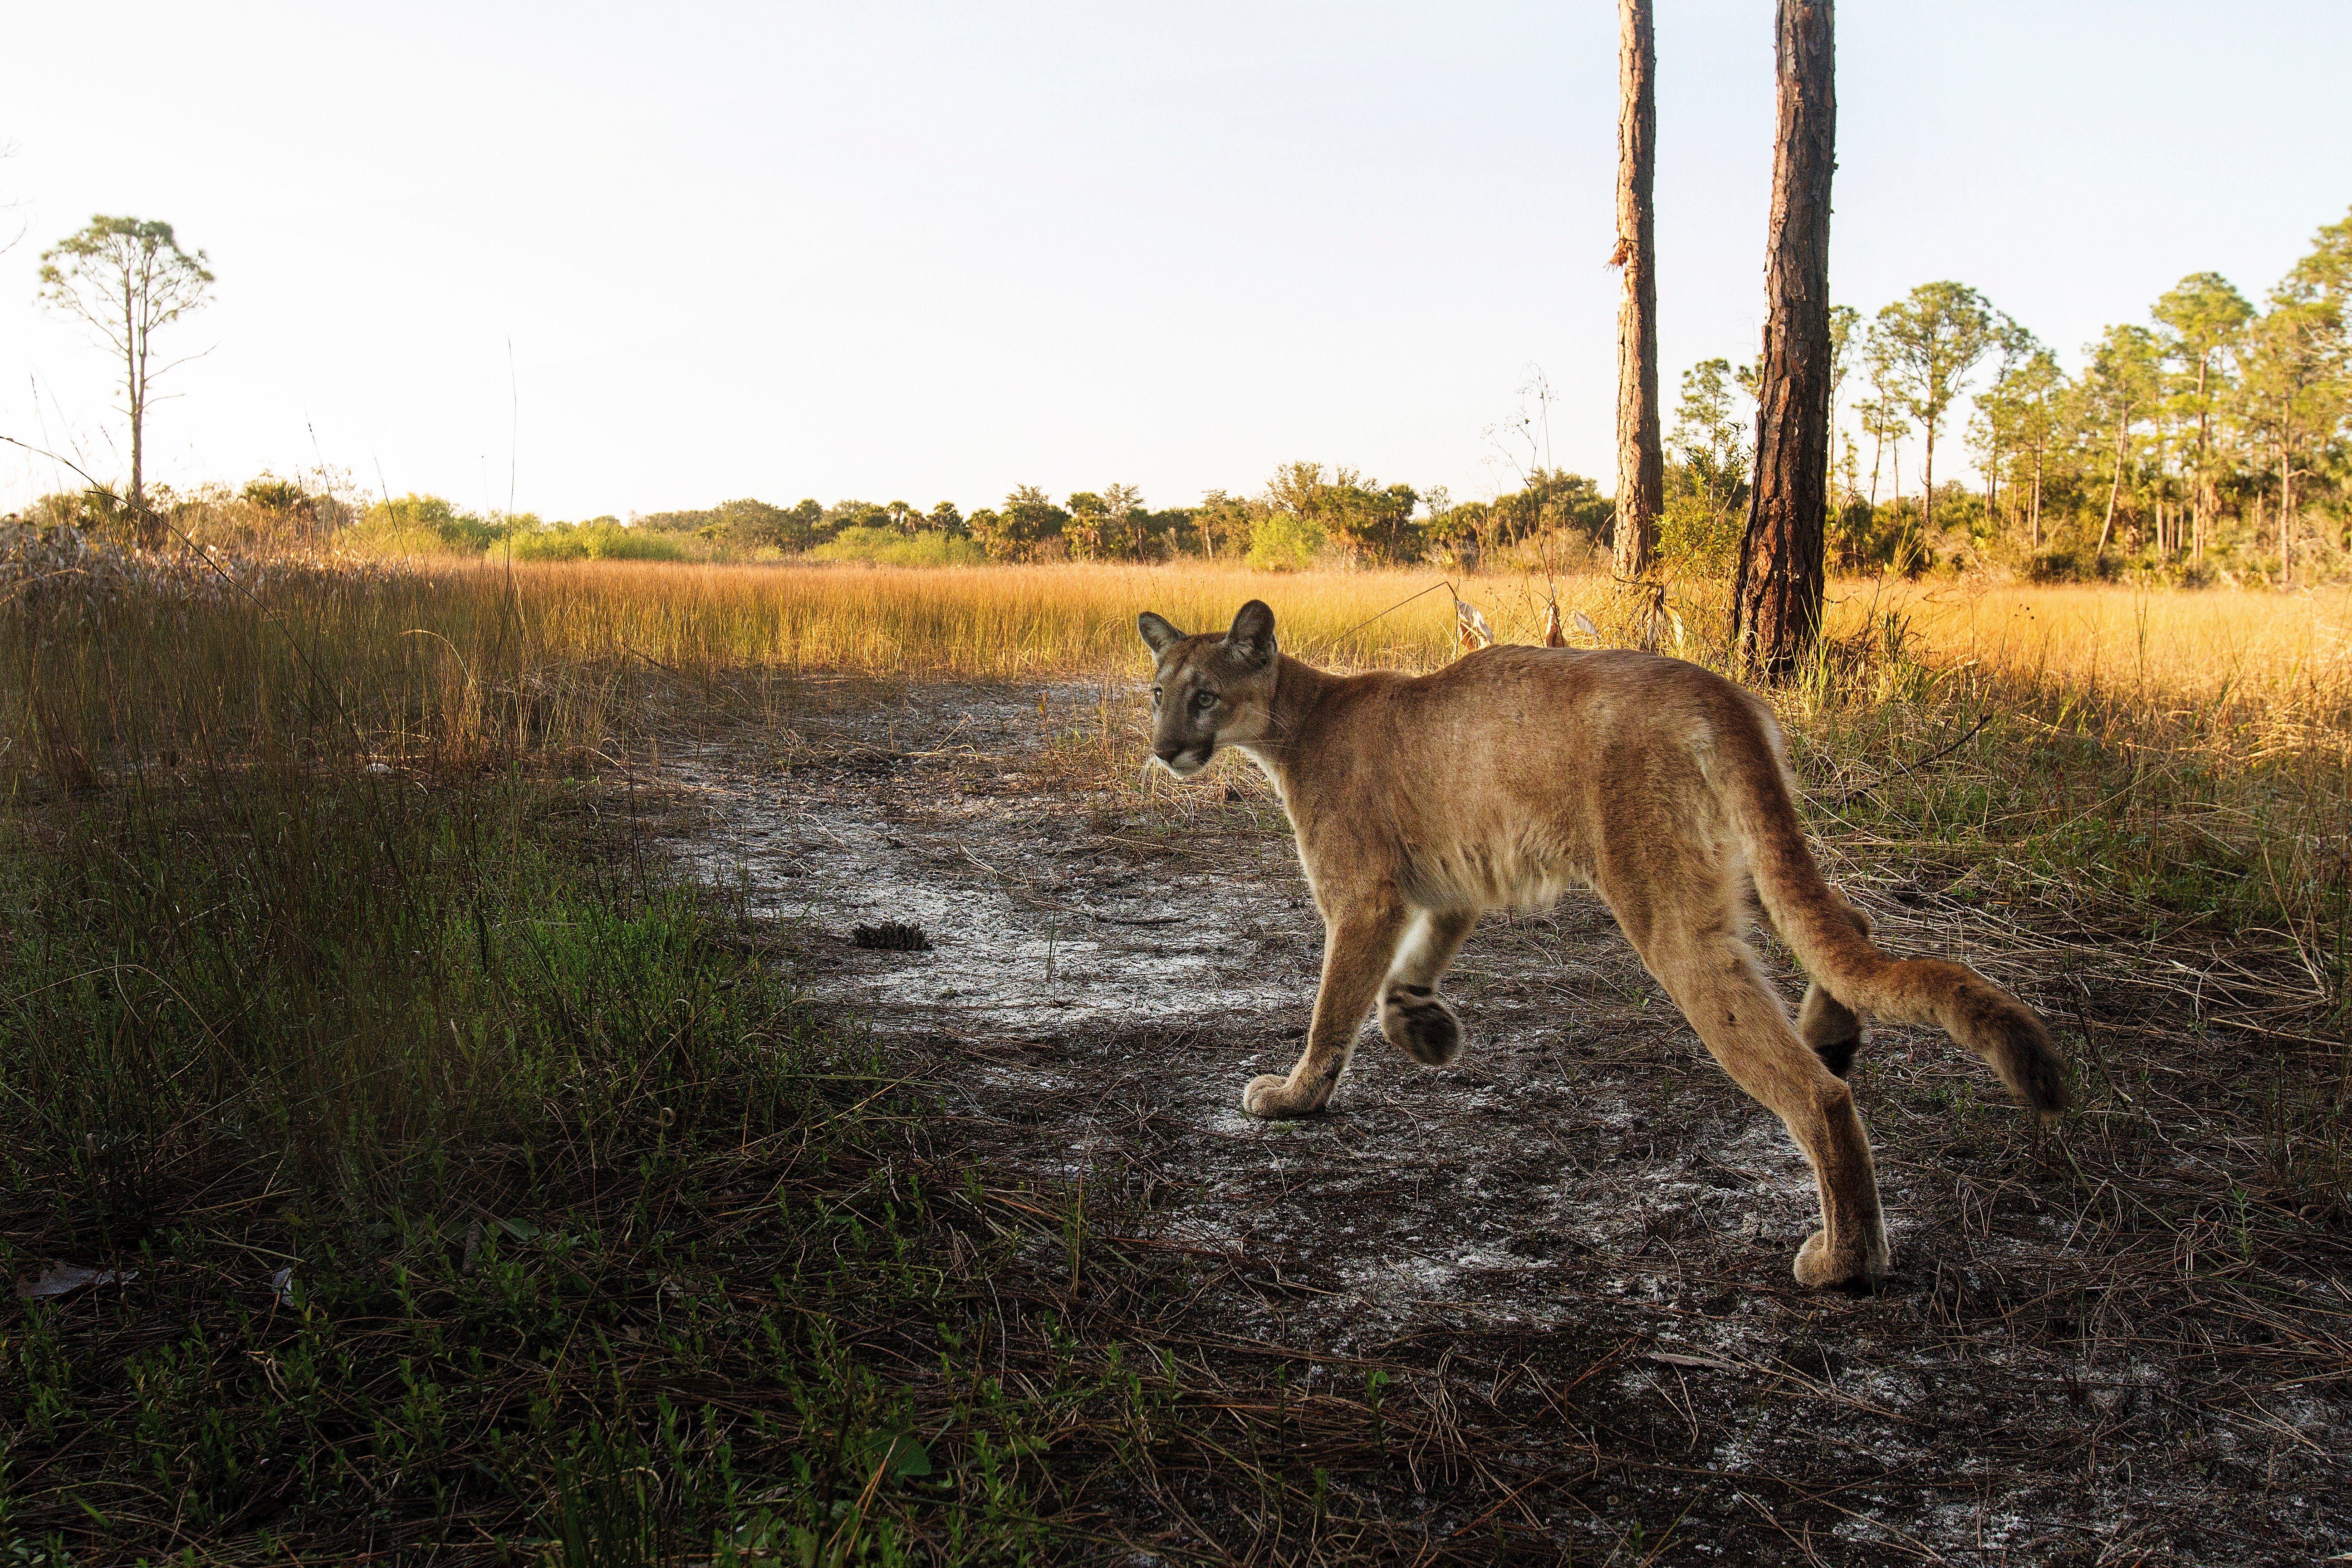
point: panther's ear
(1252, 638)
(1157, 633)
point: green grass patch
(463, 1181)
(453, 1185)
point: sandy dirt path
(1584, 1196)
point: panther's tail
(1832, 940)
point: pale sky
(929, 251)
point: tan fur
(1515, 773)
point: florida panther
(1514, 773)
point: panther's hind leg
(1711, 975)
(1414, 1016)
(1832, 1028)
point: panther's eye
(1155, 696)
(1204, 700)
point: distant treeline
(2214, 442)
(1306, 511)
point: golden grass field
(464, 658)
(2231, 710)
(1027, 621)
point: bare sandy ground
(1581, 1232)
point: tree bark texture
(134, 392)
(1641, 448)
(1777, 597)
(2203, 492)
(2286, 514)
(2114, 488)
(1928, 485)
(2037, 496)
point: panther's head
(1208, 690)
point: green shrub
(608, 540)
(422, 525)
(1284, 542)
(90, 510)
(601, 539)
(2055, 564)
(1697, 538)
(558, 543)
(883, 546)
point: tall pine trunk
(1992, 489)
(1928, 485)
(1895, 466)
(2199, 497)
(1776, 605)
(2287, 515)
(134, 392)
(1641, 449)
(2037, 495)
(2115, 486)
(2202, 497)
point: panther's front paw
(1269, 1095)
(1819, 1270)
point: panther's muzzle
(1183, 760)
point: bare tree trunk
(2115, 489)
(2037, 496)
(1776, 602)
(138, 455)
(2286, 517)
(2198, 497)
(1902, 523)
(134, 394)
(1928, 485)
(1641, 450)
